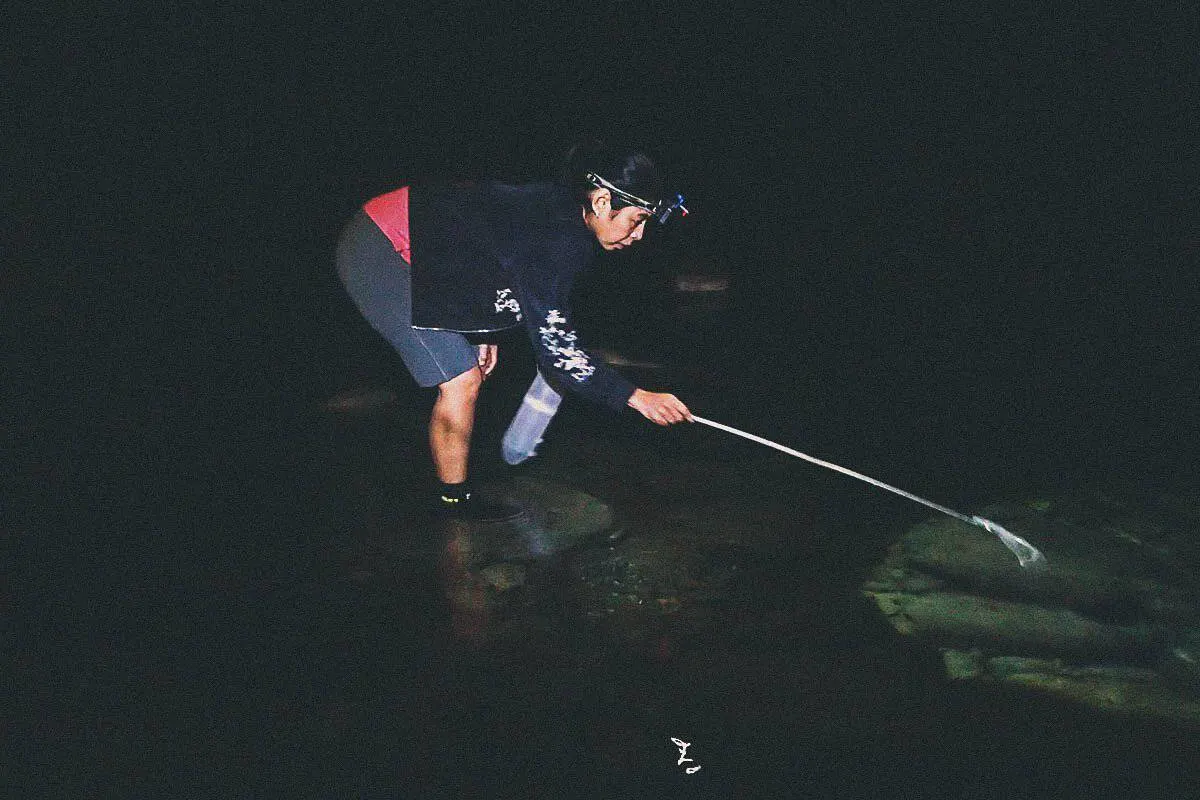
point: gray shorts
(380, 283)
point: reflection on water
(465, 589)
(728, 607)
(297, 611)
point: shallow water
(270, 611)
(958, 264)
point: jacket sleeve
(544, 299)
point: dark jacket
(489, 256)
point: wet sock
(459, 500)
(452, 494)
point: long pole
(1026, 553)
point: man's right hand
(659, 407)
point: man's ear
(601, 202)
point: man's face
(615, 230)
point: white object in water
(524, 433)
(1026, 553)
(701, 283)
(356, 401)
(615, 359)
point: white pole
(1026, 553)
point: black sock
(458, 499)
(454, 493)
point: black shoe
(472, 509)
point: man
(426, 265)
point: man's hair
(628, 169)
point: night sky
(982, 224)
(1006, 194)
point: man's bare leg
(451, 424)
(450, 441)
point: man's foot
(471, 508)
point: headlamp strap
(661, 209)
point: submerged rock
(615, 359)
(948, 616)
(962, 664)
(1181, 661)
(503, 577)
(1130, 690)
(1086, 574)
(701, 283)
(1125, 690)
(1113, 623)
(556, 519)
(358, 401)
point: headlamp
(661, 210)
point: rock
(955, 617)
(615, 359)
(1004, 666)
(1098, 582)
(962, 664)
(1181, 661)
(556, 519)
(701, 283)
(503, 577)
(1186, 506)
(668, 605)
(561, 518)
(893, 575)
(1138, 693)
(1121, 588)
(359, 401)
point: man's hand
(658, 407)
(487, 359)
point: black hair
(630, 170)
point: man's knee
(462, 388)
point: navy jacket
(489, 256)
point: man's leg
(379, 282)
(450, 442)
(451, 424)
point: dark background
(975, 230)
(989, 212)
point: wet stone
(958, 617)
(1181, 662)
(1130, 691)
(556, 519)
(503, 577)
(1005, 666)
(1114, 622)
(962, 664)
(641, 551)
(358, 401)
